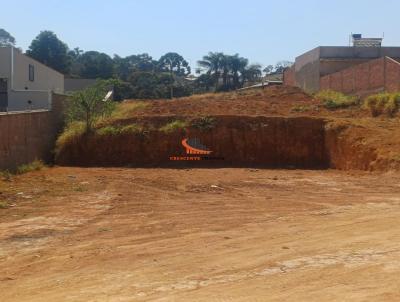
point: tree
(88, 105)
(51, 51)
(96, 65)
(282, 65)
(124, 67)
(6, 39)
(228, 71)
(252, 73)
(213, 65)
(175, 65)
(269, 69)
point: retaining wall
(374, 76)
(26, 136)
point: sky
(263, 31)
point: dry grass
(334, 100)
(383, 103)
(125, 109)
(36, 165)
(173, 126)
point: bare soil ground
(73, 234)
(271, 101)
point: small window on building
(31, 73)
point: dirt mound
(275, 127)
(271, 101)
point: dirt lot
(271, 101)
(73, 234)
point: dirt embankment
(275, 127)
(275, 142)
(234, 141)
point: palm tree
(251, 73)
(213, 62)
(237, 66)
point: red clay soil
(79, 235)
(271, 101)
(235, 141)
(275, 127)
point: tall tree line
(140, 75)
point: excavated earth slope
(278, 127)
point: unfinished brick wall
(366, 78)
(289, 76)
(27, 136)
(392, 81)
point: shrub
(72, 132)
(132, 128)
(334, 100)
(204, 123)
(6, 175)
(89, 106)
(173, 126)
(36, 165)
(383, 103)
(3, 204)
(108, 131)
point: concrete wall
(26, 136)
(45, 77)
(5, 62)
(24, 94)
(307, 70)
(366, 78)
(325, 60)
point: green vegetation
(89, 106)
(36, 165)
(6, 175)
(3, 204)
(108, 131)
(204, 123)
(383, 103)
(132, 128)
(111, 130)
(125, 109)
(173, 126)
(73, 131)
(334, 100)
(6, 39)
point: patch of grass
(108, 131)
(36, 165)
(4, 204)
(132, 128)
(204, 123)
(6, 175)
(383, 103)
(334, 100)
(72, 132)
(125, 109)
(173, 126)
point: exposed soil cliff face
(275, 142)
(240, 141)
(363, 144)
